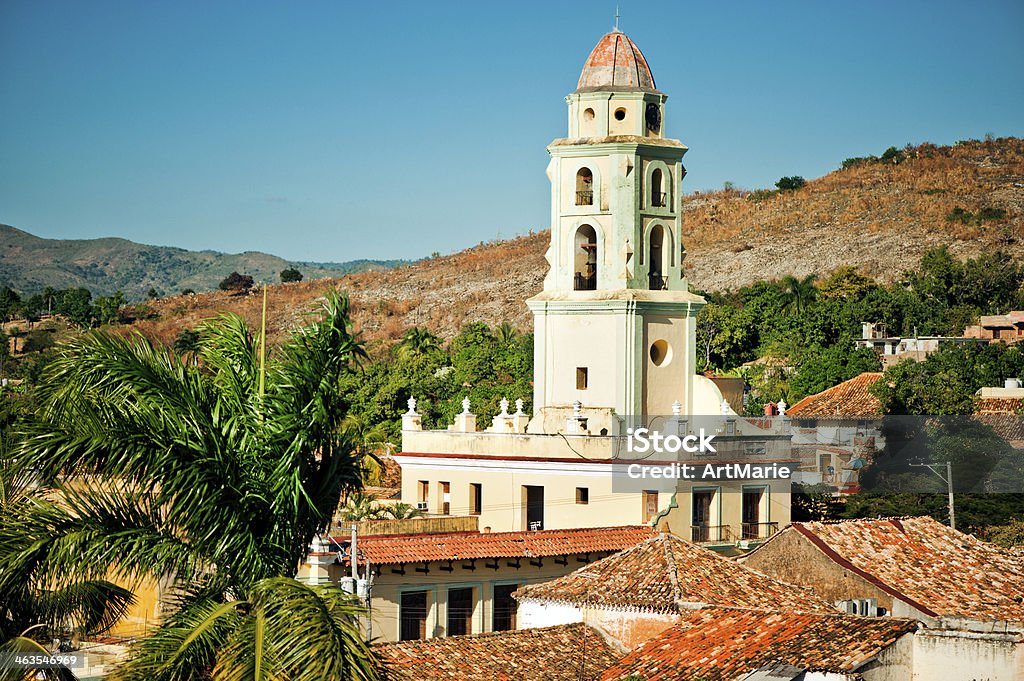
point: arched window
(656, 260)
(658, 195)
(584, 187)
(585, 259)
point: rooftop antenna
(616, 29)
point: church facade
(615, 335)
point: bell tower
(615, 325)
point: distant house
(564, 653)
(451, 583)
(724, 644)
(637, 593)
(837, 431)
(1003, 410)
(894, 349)
(1001, 328)
(970, 594)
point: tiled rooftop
(396, 549)
(849, 399)
(721, 644)
(551, 654)
(666, 574)
(940, 571)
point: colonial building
(969, 594)
(837, 432)
(615, 347)
(634, 595)
(432, 585)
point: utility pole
(948, 479)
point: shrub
(759, 195)
(793, 183)
(238, 283)
(290, 274)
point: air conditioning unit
(421, 505)
(865, 607)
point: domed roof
(616, 63)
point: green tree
(10, 303)
(5, 352)
(418, 341)
(846, 283)
(152, 294)
(76, 305)
(107, 308)
(792, 183)
(290, 274)
(799, 293)
(216, 475)
(187, 341)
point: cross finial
(616, 16)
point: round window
(661, 352)
(620, 114)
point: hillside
(880, 217)
(29, 263)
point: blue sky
(337, 130)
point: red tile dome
(616, 63)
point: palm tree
(402, 511)
(798, 293)
(417, 341)
(506, 333)
(361, 506)
(215, 474)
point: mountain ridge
(29, 263)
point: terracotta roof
(720, 643)
(415, 548)
(616, 63)
(666, 573)
(999, 405)
(549, 654)
(941, 572)
(849, 399)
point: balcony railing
(585, 197)
(710, 534)
(656, 282)
(659, 199)
(582, 282)
(759, 530)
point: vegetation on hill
(30, 264)
(808, 328)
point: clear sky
(329, 131)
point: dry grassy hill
(880, 217)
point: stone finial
(465, 405)
(677, 408)
(577, 409)
(783, 407)
(519, 407)
(412, 407)
(504, 406)
(725, 407)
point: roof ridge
(672, 566)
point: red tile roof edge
(867, 576)
(528, 538)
